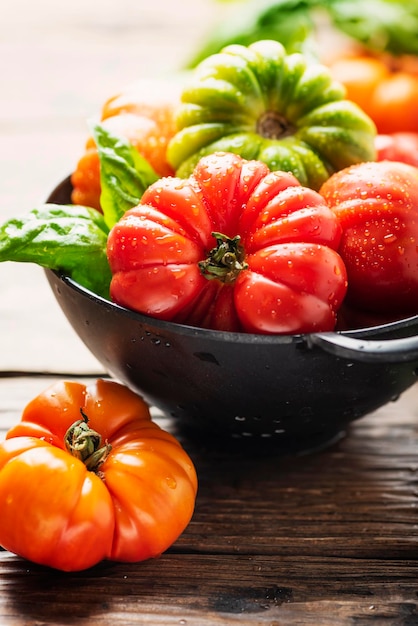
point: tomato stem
(84, 444)
(226, 260)
(272, 125)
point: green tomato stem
(225, 261)
(85, 444)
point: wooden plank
(328, 538)
(207, 589)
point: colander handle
(404, 349)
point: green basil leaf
(67, 238)
(287, 21)
(382, 25)
(124, 174)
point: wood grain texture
(328, 538)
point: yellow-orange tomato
(360, 76)
(148, 111)
(388, 95)
(145, 115)
(395, 104)
(86, 179)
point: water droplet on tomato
(171, 482)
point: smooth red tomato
(233, 247)
(124, 490)
(398, 147)
(377, 206)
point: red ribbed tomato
(234, 247)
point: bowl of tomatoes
(265, 288)
(293, 390)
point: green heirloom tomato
(262, 103)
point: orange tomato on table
(87, 475)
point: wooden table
(325, 539)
